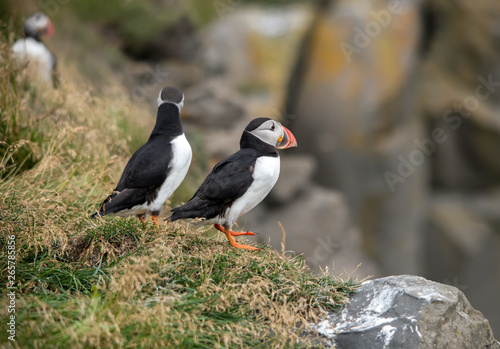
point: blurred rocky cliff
(399, 103)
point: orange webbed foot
(142, 218)
(155, 220)
(239, 233)
(233, 242)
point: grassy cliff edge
(117, 282)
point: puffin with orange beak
(241, 181)
(32, 51)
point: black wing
(143, 175)
(228, 181)
(126, 199)
(149, 166)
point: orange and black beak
(287, 139)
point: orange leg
(230, 235)
(239, 233)
(141, 218)
(155, 220)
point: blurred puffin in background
(32, 52)
(241, 181)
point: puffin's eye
(273, 127)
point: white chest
(39, 58)
(265, 176)
(181, 160)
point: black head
(271, 132)
(168, 121)
(38, 24)
(171, 95)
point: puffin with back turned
(30, 50)
(241, 181)
(157, 168)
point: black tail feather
(102, 207)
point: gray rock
(213, 105)
(233, 45)
(463, 247)
(408, 312)
(296, 173)
(217, 113)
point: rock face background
(408, 312)
(399, 103)
(358, 112)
